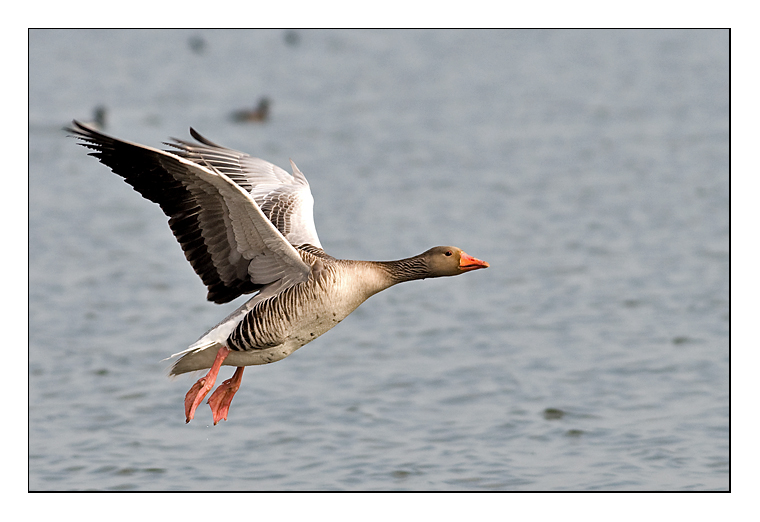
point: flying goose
(245, 225)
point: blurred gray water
(590, 168)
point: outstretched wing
(230, 243)
(286, 200)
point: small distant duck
(98, 118)
(292, 37)
(197, 44)
(247, 226)
(260, 113)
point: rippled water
(590, 168)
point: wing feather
(285, 199)
(231, 244)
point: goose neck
(408, 269)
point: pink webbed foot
(221, 399)
(199, 390)
(194, 396)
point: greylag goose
(245, 225)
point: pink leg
(220, 400)
(199, 390)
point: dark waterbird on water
(259, 113)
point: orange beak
(467, 263)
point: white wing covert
(285, 199)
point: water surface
(589, 168)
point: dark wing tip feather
(83, 132)
(195, 134)
(147, 173)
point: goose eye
(447, 253)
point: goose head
(450, 261)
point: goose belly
(275, 328)
(300, 334)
